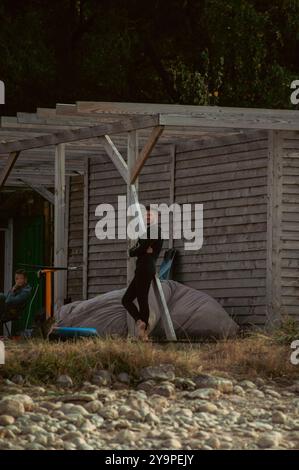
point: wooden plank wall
(290, 225)
(75, 243)
(106, 258)
(229, 176)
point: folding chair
(16, 314)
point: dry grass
(255, 355)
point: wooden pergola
(41, 150)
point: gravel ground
(161, 411)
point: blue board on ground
(73, 332)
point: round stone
(102, 378)
(238, 390)
(204, 394)
(225, 385)
(269, 440)
(184, 384)
(94, 406)
(124, 436)
(6, 420)
(152, 418)
(11, 407)
(207, 408)
(172, 443)
(279, 418)
(71, 436)
(213, 442)
(18, 379)
(26, 400)
(147, 386)
(124, 378)
(64, 381)
(165, 389)
(69, 408)
(160, 372)
(88, 427)
(247, 384)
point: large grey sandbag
(103, 312)
(195, 314)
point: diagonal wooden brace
(145, 152)
(13, 156)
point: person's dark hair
(148, 207)
(22, 271)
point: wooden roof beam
(72, 135)
(235, 120)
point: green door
(29, 249)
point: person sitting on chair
(12, 304)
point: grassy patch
(42, 362)
(287, 332)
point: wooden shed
(241, 164)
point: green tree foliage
(217, 52)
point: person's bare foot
(146, 338)
(146, 333)
(141, 326)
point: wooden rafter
(145, 152)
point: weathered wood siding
(75, 238)
(290, 225)
(106, 258)
(229, 177)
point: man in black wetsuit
(147, 251)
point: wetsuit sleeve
(140, 247)
(18, 298)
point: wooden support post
(13, 156)
(8, 261)
(132, 157)
(66, 230)
(115, 156)
(274, 229)
(85, 230)
(59, 226)
(172, 192)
